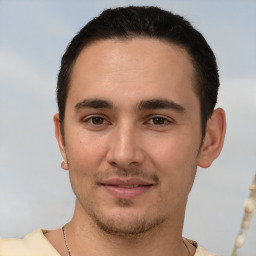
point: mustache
(127, 172)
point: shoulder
(34, 244)
(200, 251)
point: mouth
(130, 186)
(126, 188)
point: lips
(126, 188)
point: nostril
(124, 150)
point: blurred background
(35, 191)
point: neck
(86, 238)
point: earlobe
(61, 141)
(214, 138)
(64, 165)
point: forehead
(134, 67)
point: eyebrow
(142, 105)
(160, 104)
(93, 103)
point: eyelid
(168, 119)
(89, 117)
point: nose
(125, 149)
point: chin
(125, 223)
(128, 228)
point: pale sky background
(35, 191)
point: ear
(61, 141)
(214, 138)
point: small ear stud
(65, 161)
(64, 165)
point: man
(136, 95)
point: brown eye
(159, 120)
(97, 120)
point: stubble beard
(115, 225)
(134, 228)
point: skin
(114, 131)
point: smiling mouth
(126, 189)
(129, 186)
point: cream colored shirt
(36, 244)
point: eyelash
(150, 120)
(90, 120)
(165, 120)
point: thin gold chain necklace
(69, 252)
(65, 239)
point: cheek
(85, 151)
(175, 160)
(86, 155)
(174, 149)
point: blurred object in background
(249, 210)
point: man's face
(132, 133)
